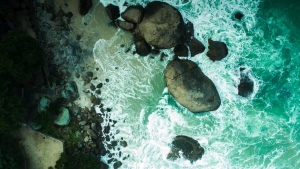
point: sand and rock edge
(68, 37)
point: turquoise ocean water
(260, 131)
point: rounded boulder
(162, 25)
(191, 87)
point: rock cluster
(190, 148)
(245, 87)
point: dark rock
(245, 88)
(93, 87)
(154, 51)
(106, 129)
(190, 148)
(89, 74)
(96, 101)
(108, 109)
(133, 14)
(238, 16)
(216, 50)
(78, 37)
(162, 25)
(181, 50)
(98, 92)
(117, 164)
(123, 143)
(99, 85)
(190, 87)
(60, 13)
(125, 25)
(162, 55)
(189, 27)
(103, 151)
(142, 47)
(107, 80)
(84, 6)
(113, 11)
(196, 46)
(103, 165)
(92, 133)
(114, 143)
(69, 15)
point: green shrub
(11, 153)
(20, 56)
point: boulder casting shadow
(190, 148)
(190, 87)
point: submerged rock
(125, 25)
(113, 11)
(63, 118)
(133, 14)
(196, 46)
(190, 87)
(162, 25)
(245, 88)
(216, 50)
(190, 148)
(84, 6)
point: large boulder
(84, 6)
(216, 50)
(162, 25)
(112, 11)
(133, 14)
(196, 46)
(126, 26)
(190, 87)
(190, 148)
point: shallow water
(261, 131)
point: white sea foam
(149, 117)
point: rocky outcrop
(84, 6)
(196, 46)
(190, 148)
(245, 88)
(113, 11)
(142, 47)
(133, 14)
(181, 50)
(238, 16)
(162, 25)
(190, 87)
(216, 50)
(126, 26)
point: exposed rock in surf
(238, 16)
(142, 47)
(117, 164)
(190, 87)
(216, 50)
(181, 50)
(162, 25)
(126, 26)
(113, 11)
(245, 88)
(84, 6)
(189, 27)
(133, 14)
(190, 148)
(196, 46)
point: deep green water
(261, 131)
